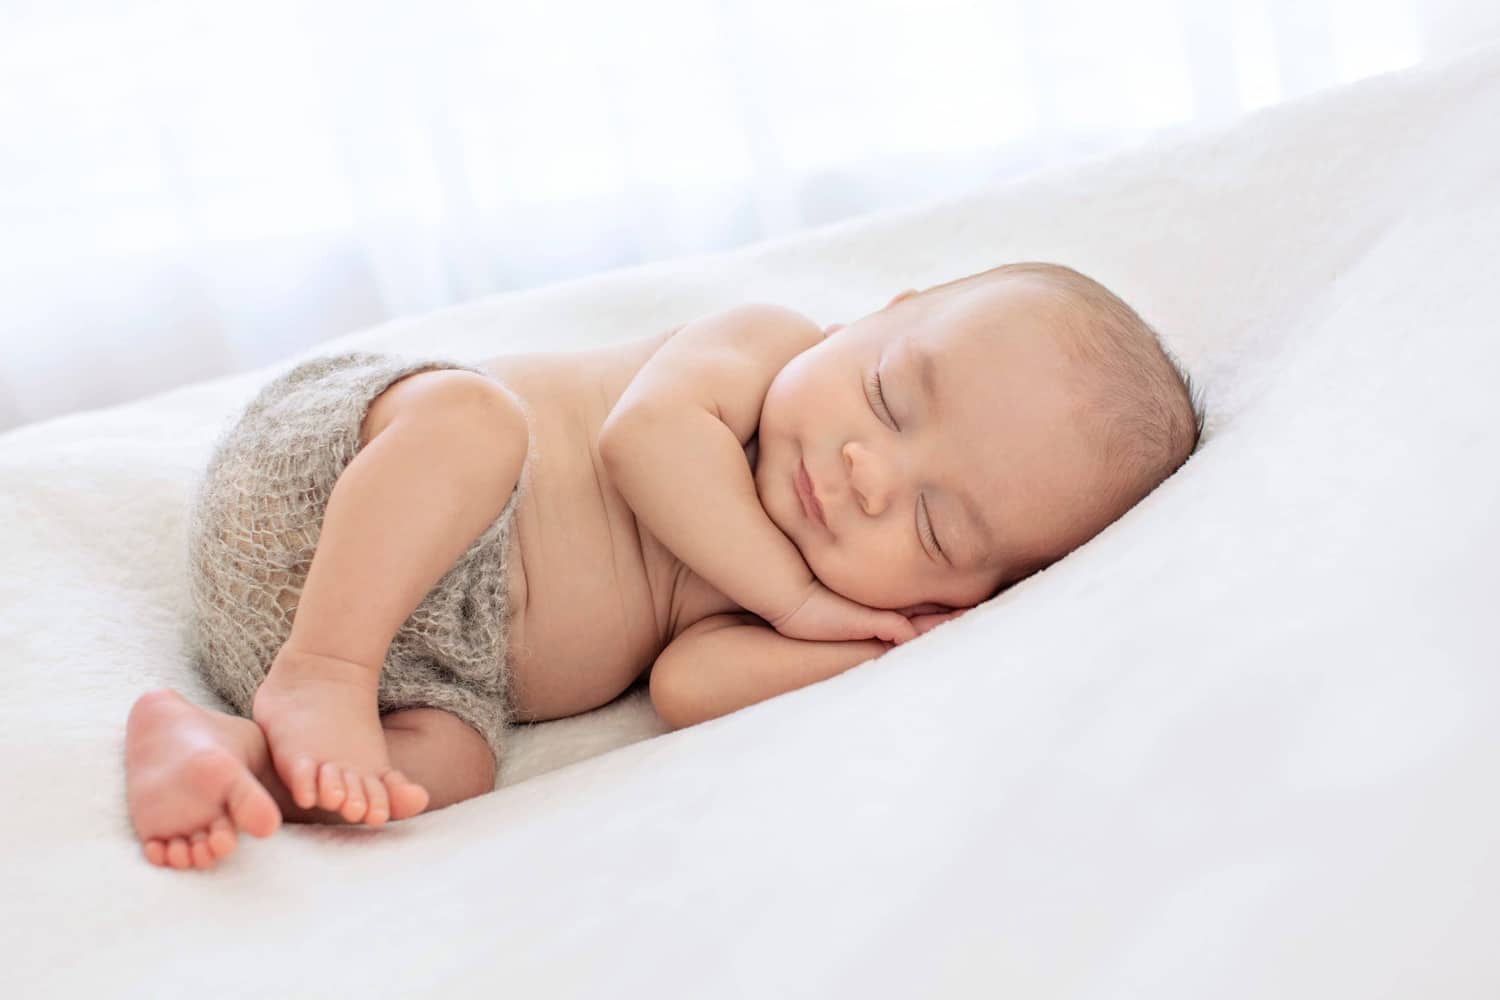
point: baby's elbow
(661, 700)
(609, 443)
(627, 434)
(666, 698)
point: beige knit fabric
(254, 526)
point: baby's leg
(195, 777)
(441, 454)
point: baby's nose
(869, 478)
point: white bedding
(1243, 744)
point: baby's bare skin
(594, 599)
(930, 455)
(595, 596)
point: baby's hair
(1142, 406)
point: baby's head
(966, 436)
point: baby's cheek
(825, 564)
(872, 581)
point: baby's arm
(674, 447)
(722, 663)
(725, 662)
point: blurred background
(192, 189)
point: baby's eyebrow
(926, 374)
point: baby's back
(594, 596)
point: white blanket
(1243, 744)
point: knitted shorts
(253, 528)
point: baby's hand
(926, 617)
(825, 616)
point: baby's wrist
(796, 598)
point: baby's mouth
(808, 497)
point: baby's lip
(808, 494)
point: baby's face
(984, 454)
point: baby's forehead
(992, 391)
(974, 360)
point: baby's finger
(897, 629)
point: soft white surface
(1243, 744)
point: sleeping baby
(392, 561)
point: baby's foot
(322, 724)
(189, 784)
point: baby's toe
(354, 796)
(178, 855)
(221, 838)
(203, 856)
(407, 797)
(301, 777)
(380, 806)
(156, 851)
(331, 789)
(252, 809)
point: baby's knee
(440, 387)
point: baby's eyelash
(880, 392)
(931, 535)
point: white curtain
(189, 189)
